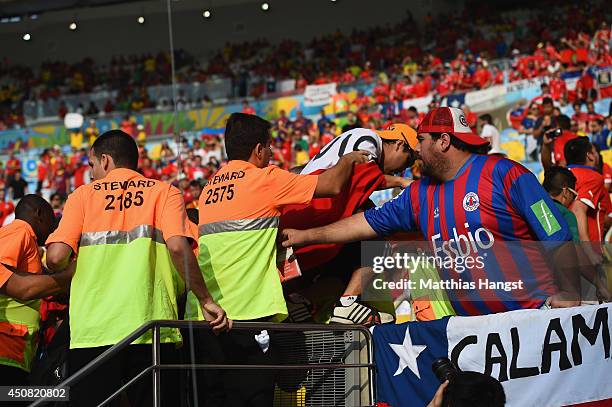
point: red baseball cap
(450, 120)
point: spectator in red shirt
(246, 108)
(6, 207)
(57, 204)
(128, 126)
(558, 88)
(563, 124)
(592, 205)
(79, 174)
(592, 115)
(13, 165)
(471, 117)
(44, 169)
(195, 190)
(579, 116)
(147, 169)
(197, 171)
(482, 77)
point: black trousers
(235, 387)
(109, 377)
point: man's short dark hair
(458, 144)
(556, 178)
(486, 118)
(576, 150)
(120, 146)
(564, 122)
(472, 389)
(242, 134)
(195, 183)
(27, 206)
(547, 101)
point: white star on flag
(408, 354)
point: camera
(444, 369)
(554, 133)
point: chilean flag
(543, 358)
(366, 179)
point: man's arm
(331, 182)
(567, 277)
(392, 181)
(546, 153)
(354, 228)
(58, 256)
(580, 210)
(28, 286)
(187, 266)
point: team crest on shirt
(462, 120)
(436, 213)
(471, 202)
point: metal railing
(157, 366)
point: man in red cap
(478, 212)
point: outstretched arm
(28, 286)
(351, 229)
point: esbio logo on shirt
(463, 245)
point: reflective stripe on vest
(240, 225)
(121, 236)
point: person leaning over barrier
(239, 217)
(493, 203)
(128, 234)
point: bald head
(34, 210)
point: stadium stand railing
(322, 365)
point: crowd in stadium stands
(189, 164)
(404, 61)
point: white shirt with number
(352, 140)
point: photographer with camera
(553, 142)
(465, 389)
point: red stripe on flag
(600, 403)
(605, 92)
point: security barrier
(322, 365)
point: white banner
(319, 95)
(421, 104)
(481, 96)
(525, 84)
(286, 85)
(542, 358)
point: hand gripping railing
(156, 366)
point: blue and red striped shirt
(494, 208)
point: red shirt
(79, 176)
(557, 88)
(482, 77)
(593, 193)
(366, 179)
(198, 172)
(326, 138)
(6, 208)
(150, 173)
(12, 166)
(43, 170)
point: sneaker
(299, 307)
(349, 310)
